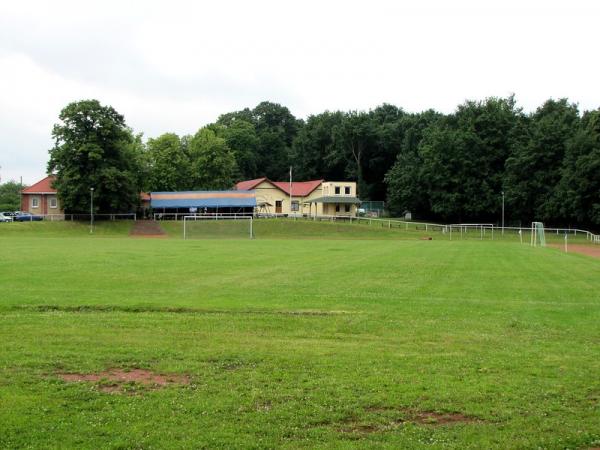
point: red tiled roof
(41, 187)
(249, 184)
(299, 188)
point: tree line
(447, 167)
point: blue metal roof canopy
(203, 199)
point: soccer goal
(538, 236)
(217, 227)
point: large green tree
(262, 149)
(10, 196)
(577, 196)
(169, 164)
(314, 154)
(212, 163)
(456, 172)
(240, 136)
(352, 139)
(533, 169)
(405, 180)
(94, 149)
(276, 128)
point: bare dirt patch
(388, 418)
(147, 229)
(589, 250)
(359, 428)
(118, 380)
(434, 418)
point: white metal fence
(454, 231)
(181, 216)
(78, 217)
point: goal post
(218, 227)
(538, 237)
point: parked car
(4, 217)
(26, 217)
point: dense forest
(447, 167)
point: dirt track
(589, 250)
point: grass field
(307, 337)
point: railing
(78, 217)
(180, 216)
(483, 230)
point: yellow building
(308, 198)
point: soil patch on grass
(382, 418)
(120, 380)
(147, 229)
(167, 309)
(434, 418)
(589, 250)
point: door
(278, 206)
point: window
(53, 202)
(337, 190)
(347, 207)
(337, 207)
(35, 202)
(347, 190)
(295, 205)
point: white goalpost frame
(537, 233)
(216, 217)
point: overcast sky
(175, 65)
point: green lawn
(297, 343)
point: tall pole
(502, 213)
(91, 210)
(291, 194)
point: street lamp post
(91, 210)
(502, 213)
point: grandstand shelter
(209, 202)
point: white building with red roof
(41, 198)
(309, 198)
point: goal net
(217, 227)
(538, 236)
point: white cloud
(176, 66)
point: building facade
(307, 198)
(41, 199)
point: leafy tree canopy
(10, 196)
(94, 149)
(212, 163)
